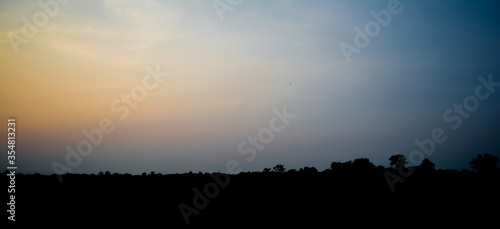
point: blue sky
(226, 76)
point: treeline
(482, 163)
(353, 192)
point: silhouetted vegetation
(279, 168)
(427, 164)
(486, 163)
(398, 160)
(353, 192)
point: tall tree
(398, 160)
(486, 163)
(279, 168)
(427, 164)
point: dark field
(305, 197)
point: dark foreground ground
(317, 199)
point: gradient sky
(226, 76)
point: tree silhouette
(486, 163)
(398, 160)
(292, 171)
(279, 168)
(308, 170)
(266, 170)
(338, 166)
(362, 164)
(427, 164)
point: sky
(179, 86)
